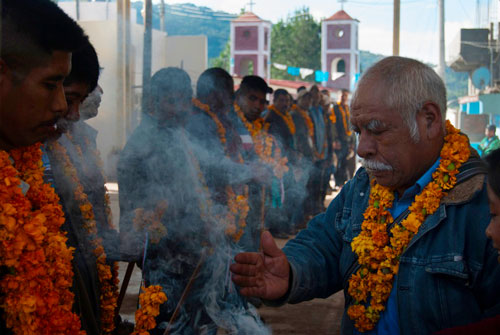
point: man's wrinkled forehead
(365, 113)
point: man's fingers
(246, 281)
(248, 258)
(243, 269)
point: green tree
(296, 42)
(224, 58)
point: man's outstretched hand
(264, 275)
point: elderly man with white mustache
(405, 237)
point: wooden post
(147, 51)
(442, 65)
(120, 66)
(395, 32)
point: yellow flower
(380, 252)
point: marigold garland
(332, 117)
(287, 118)
(107, 274)
(36, 296)
(151, 221)
(378, 251)
(237, 203)
(307, 118)
(237, 214)
(310, 130)
(345, 118)
(221, 131)
(150, 300)
(97, 158)
(264, 144)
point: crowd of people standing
(212, 173)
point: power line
(371, 3)
(465, 12)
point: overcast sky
(419, 20)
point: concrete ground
(318, 316)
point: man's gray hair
(409, 84)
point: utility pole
(442, 66)
(147, 52)
(395, 29)
(77, 4)
(478, 14)
(163, 28)
(123, 87)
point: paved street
(318, 316)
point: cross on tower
(342, 3)
(251, 3)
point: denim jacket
(448, 275)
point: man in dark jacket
(421, 183)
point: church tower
(250, 46)
(339, 50)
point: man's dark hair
(31, 30)
(301, 88)
(214, 79)
(314, 88)
(170, 79)
(492, 128)
(345, 91)
(493, 161)
(279, 92)
(84, 67)
(254, 83)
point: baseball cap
(256, 83)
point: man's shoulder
(139, 143)
(199, 122)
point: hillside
(189, 19)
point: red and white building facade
(340, 50)
(250, 46)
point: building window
(340, 33)
(341, 66)
(246, 67)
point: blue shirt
(48, 174)
(388, 323)
(319, 127)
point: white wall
(94, 11)
(188, 51)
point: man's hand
(264, 275)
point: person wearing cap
(490, 142)
(247, 118)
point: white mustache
(374, 165)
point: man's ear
(430, 120)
